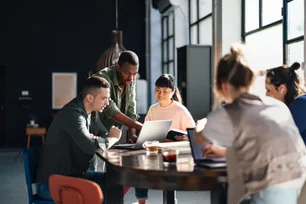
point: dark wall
(40, 37)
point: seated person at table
(285, 85)
(168, 107)
(265, 152)
(72, 139)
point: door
(2, 105)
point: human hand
(132, 139)
(212, 150)
(181, 138)
(132, 135)
(115, 132)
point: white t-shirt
(219, 128)
(89, 119)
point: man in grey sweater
(73, 137)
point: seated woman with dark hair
(285, 85)
(168, 107)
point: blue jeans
(93, 164)
(141, 193)
(276, 195)
(43, 190)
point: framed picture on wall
(64, 88)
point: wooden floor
(13, 188)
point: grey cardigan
(267, 149)
(68, 146)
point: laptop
(155, 130)
(196, 151)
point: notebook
(196, 151)
(175, 132)
(155, 130)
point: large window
(168, 44)
(273, 32)
(294, 31)
(200, 22)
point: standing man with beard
(122, 104)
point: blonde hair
(234, 69)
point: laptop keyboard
(125, 145)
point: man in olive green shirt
(122, 104)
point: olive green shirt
(115, 102)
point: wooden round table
(135, 168)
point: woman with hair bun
(265, 153)
(285, 85)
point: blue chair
(31, 159)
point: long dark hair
(168, 81)
(288, 76)
(233, 68)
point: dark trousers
(141, 193)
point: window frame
(166, 62)
(198, 20)
(284, 21)
(286, 40)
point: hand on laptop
(114, 132)
(132, 135)
(212, 150)
(132, 139)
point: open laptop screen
(196, 149)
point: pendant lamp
(111, 55)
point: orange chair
(70, 190)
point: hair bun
(295, 66)
(238, 50)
